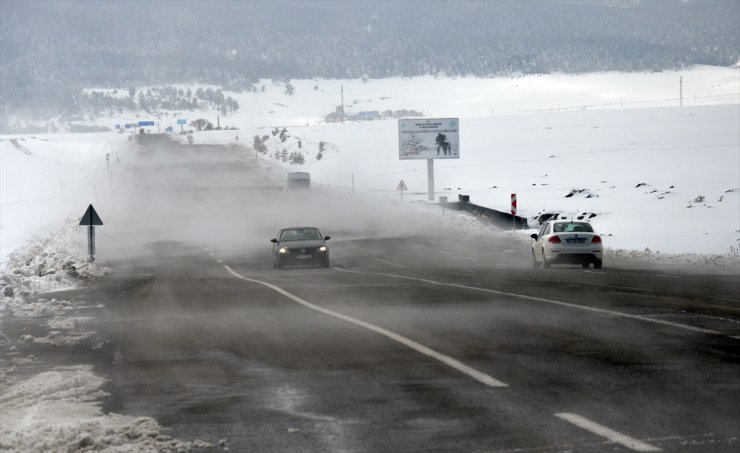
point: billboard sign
(146, 123)
(182, 121)
(430, 138)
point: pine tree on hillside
(297, 158)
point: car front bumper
(308, 258)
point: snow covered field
(536, 136)
(657, 175)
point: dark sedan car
(300, 246)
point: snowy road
(391, 349)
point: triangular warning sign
(402, 186)
(90, 217)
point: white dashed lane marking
(418, 347)
(603, 431)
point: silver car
(567, 242)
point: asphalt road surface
(416, 339)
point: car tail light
(596, 239)
(554, 240)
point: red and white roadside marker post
(513, 211)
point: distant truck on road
(299, 181)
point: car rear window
(573, 227)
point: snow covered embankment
(59, 409)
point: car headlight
(283, 250)
(322, 248)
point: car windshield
(573, 227)
(300, 234)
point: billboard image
(430, 138)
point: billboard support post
(430, 179)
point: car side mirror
(326, 238)
(273, 240)
(534, 236)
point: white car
(567, 242)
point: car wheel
(278, 265)
(597, 264)
(535, 263)
(325, 263)
(585, 265)
(546, 264)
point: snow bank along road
(418, 339)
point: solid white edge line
(603, 431)
(542, 299)
(447, 360)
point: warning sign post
(401, 187)
(90, 219)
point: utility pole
(110, 172)
(680, 91)
(342, 105)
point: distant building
(339, 115)
(369, 116)
(335, 116)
